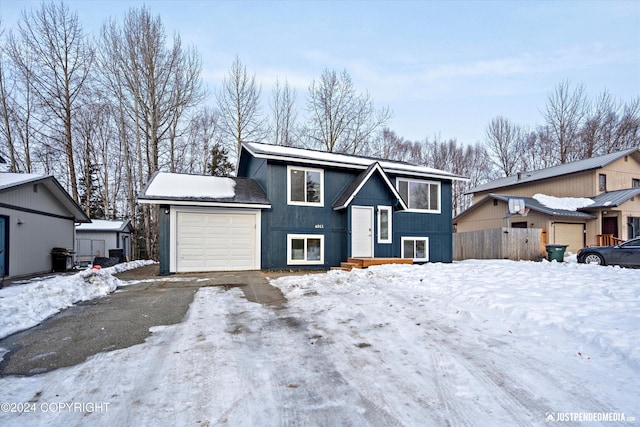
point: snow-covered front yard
(484, 343)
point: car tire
(593, 259)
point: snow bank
(24, 306)
(598, 306)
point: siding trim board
(36, 212)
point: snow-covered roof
(175, 188)
(103, 225)
(555, 171)
(563, 203)
(548, 205)
(9, 180)
(301, 155)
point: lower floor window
(416, 248)
(305, 249)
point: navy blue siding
(164, 244)
(282, 219)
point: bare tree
(52, 48)
(154, 85)
(240, 112)
(505, 142)
(565, 114)
(284, 113)
(342, 120)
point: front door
(610, 226)
(362, 231)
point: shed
(98, 238)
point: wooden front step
(367, 262)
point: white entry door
(362, 231)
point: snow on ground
(26, 305)
(471, 343)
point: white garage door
(217, 241)
(570, 234)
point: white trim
(393, 190)
(408, 202)
(389, 210)
(196, 203)
(291, 261)
(305, 169)
(354, 162)
(173, 238)
(405, 238)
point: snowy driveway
(473, 343)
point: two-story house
(592, 202)
(291, 208)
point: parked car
(626, 254)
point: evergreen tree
(219, 164)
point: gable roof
(555, 171)
(10, 181)
(356, 185)
(104, 225)
(200, 190)
(313, 157)
(532, 204)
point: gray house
(97, 238)
(36, 216)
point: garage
(216, 241)
(207, 223)
(569, 234)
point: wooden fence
(501, 243)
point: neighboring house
(593, 202)
(98, 237)
(293, 208)
(36, 216)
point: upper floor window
(305, 186)
(420, 195)
(635, 182)
(602, 182)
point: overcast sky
(442, 67)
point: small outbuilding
(103, 238)
(37, 223)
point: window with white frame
(420, 195)
(416, 248)
(305, 249)
(384, 224)
(305, 186)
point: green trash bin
(556, 252)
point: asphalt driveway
(121, 319)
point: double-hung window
(420, 195)
(305, 249)
(305, 186)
